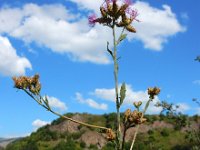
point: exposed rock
(68, 126)
(145, 128)
(93, 137)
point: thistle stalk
(138, 126)
(119, 141)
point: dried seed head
(127, 114)
(152, 92)
(29, 83)
(103, 11)
(143, 120)
(110, 135)
(112, 13)
(137, 104)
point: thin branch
(138, 126)
(62, 116)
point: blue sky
(54, 40)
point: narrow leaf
(111, 53)
(121, 38)
(46, 102)
(122, 93)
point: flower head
(110, 135)
(28, 83)
(128, 2)
(133, 13)
(116, 12)
(152, 92)
(92, 20)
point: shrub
(164, 132)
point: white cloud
(131, 96)
(198, 111)
(10, 63)
(88, 4)
(39, 123)
(9, 19)
(185, 16)
(55, 27)
(91, 102)
(183, 107)
(196, 82)
(56, 103)
(156, 25)
(16, 135)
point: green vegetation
(163, 138)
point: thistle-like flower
(92, 20)
(133, 118)
(114, 14)
(110, 135)
(152, 92)
(28, 83)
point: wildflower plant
(114, 14)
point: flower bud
(137, 104)
(130, 29)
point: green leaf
(111, 53)
(121, 38)
(122, 93)
(46, 102)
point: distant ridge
(5, 141)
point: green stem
(138, 126)
(116, 89)
(38, 100)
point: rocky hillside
(158, 132)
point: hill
(159, 132)
(5, 141)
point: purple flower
(92, 20)
(133, 13)
(128, 2)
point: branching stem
(38, 100)
(138, 126)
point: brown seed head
(29, 83)
(110, 135)
(137, 104)
(152, 92)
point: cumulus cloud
(10, 63)
(88, 4)
(131, 96)
(91, 102)
(156, 25)
(183, 107)
(198, 111)
(39, 123)
(55, 27)
(56, 103)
